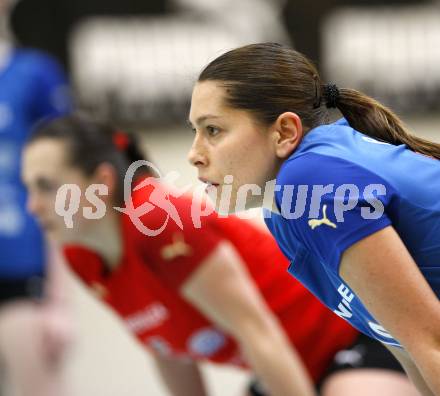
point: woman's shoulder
(34, 61)
(336, 153)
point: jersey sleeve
(332, 203)
(52, 97)
(84, 263)
(179, 249)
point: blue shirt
(340, 186)
(32, 86)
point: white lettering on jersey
(378, 329)
(371, 140)
(151, 316)
(382, 332)
(344, 309)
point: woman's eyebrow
(202, 119)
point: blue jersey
(32, 86)
(340, 186)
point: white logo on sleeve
(344, 310)
(150, 317)
(378, 329)
(317, 222)
(177, 248)
(206, 342)
(386, 337)
(371, 140)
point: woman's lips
(208, 182)
(211, 187)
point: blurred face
(230, 150)
(45, 170)
(5, 7)
(2, 7)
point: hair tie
(317, 102)
(331, 94)
(121, 140)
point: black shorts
(13, 289)
(365, 352)
(255, 389)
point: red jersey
(144, 289)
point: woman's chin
(64, 238)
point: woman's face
(6, 7)
(231, 151)
(45, 170)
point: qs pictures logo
(160, 189)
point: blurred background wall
(136, 60)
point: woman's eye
(45, 185)
(212, 130)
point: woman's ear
(288, 134)
(106, 174)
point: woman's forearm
(277, 364)
(181, 378)
(427, 359)
(411, 369)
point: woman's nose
(197, 155)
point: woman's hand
(57, 332)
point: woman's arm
(410, 369)
(55, 289)
(33, 337)
(56, 310)
(380, 270)
(182, 378)
(222, 289)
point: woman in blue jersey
(31, 335)
(355, 204)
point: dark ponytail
(133, 152)
(372, 118)
(268, 79)
(90, 143)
